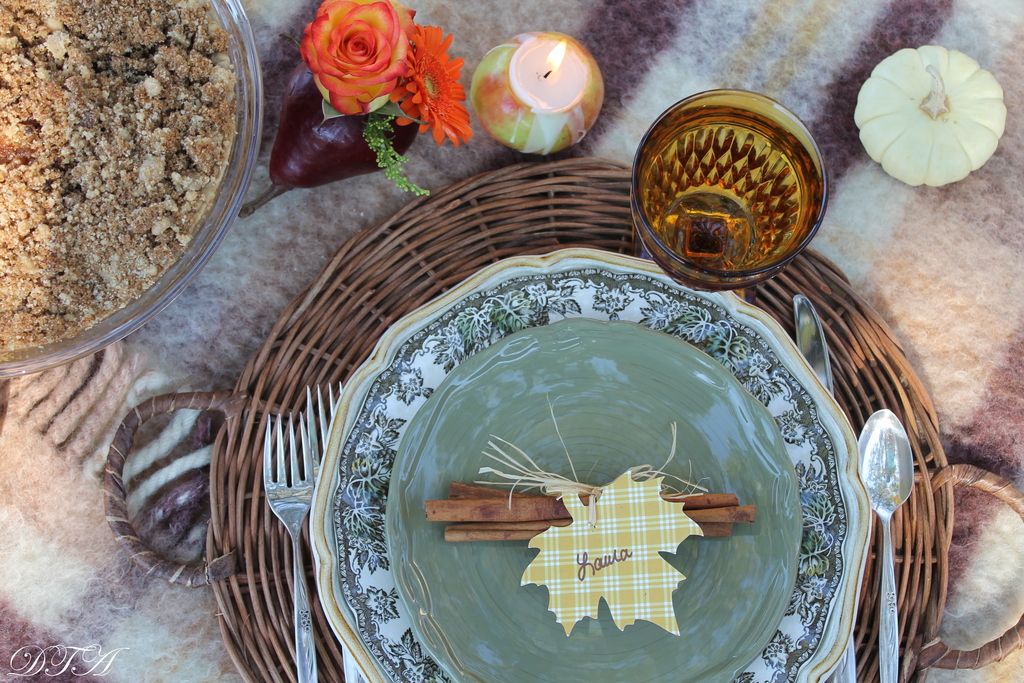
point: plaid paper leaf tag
(618, 558)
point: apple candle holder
(538, 92)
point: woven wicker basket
(433, 244)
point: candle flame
(556, 56)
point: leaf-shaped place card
(617, 558)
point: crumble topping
(116, 119)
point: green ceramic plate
(615, 388)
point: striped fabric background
(942, 265)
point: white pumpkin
(930, 116)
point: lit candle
(538, 93)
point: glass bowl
(208, 233)
(728, 186)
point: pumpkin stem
(936, 104)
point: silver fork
(288, 484)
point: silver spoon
(887, 470)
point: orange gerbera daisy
(431, 92)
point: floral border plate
(354, 577)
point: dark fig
(309, 151)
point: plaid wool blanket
(941, 265)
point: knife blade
(810, 339)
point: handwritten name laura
(599, 563)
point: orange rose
(356, 50)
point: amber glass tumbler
(728, 186)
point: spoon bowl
(887, 470)
(886, 462)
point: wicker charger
(430, 246)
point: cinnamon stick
(491, 514)
(456, 534)
(523, 531)
(459, 491)
(532, 508)
(534, 525)
(496, 509)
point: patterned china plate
(614, 389)
(355, 579)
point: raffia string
(552, 484)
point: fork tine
(293, 456)
(268, 451)
(308, 436)
(324, 424)
(282, 476)
(321, 431)
(279, 454)
(326, 415)
(309, 456)
(313, 444)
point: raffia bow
(555, 485)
